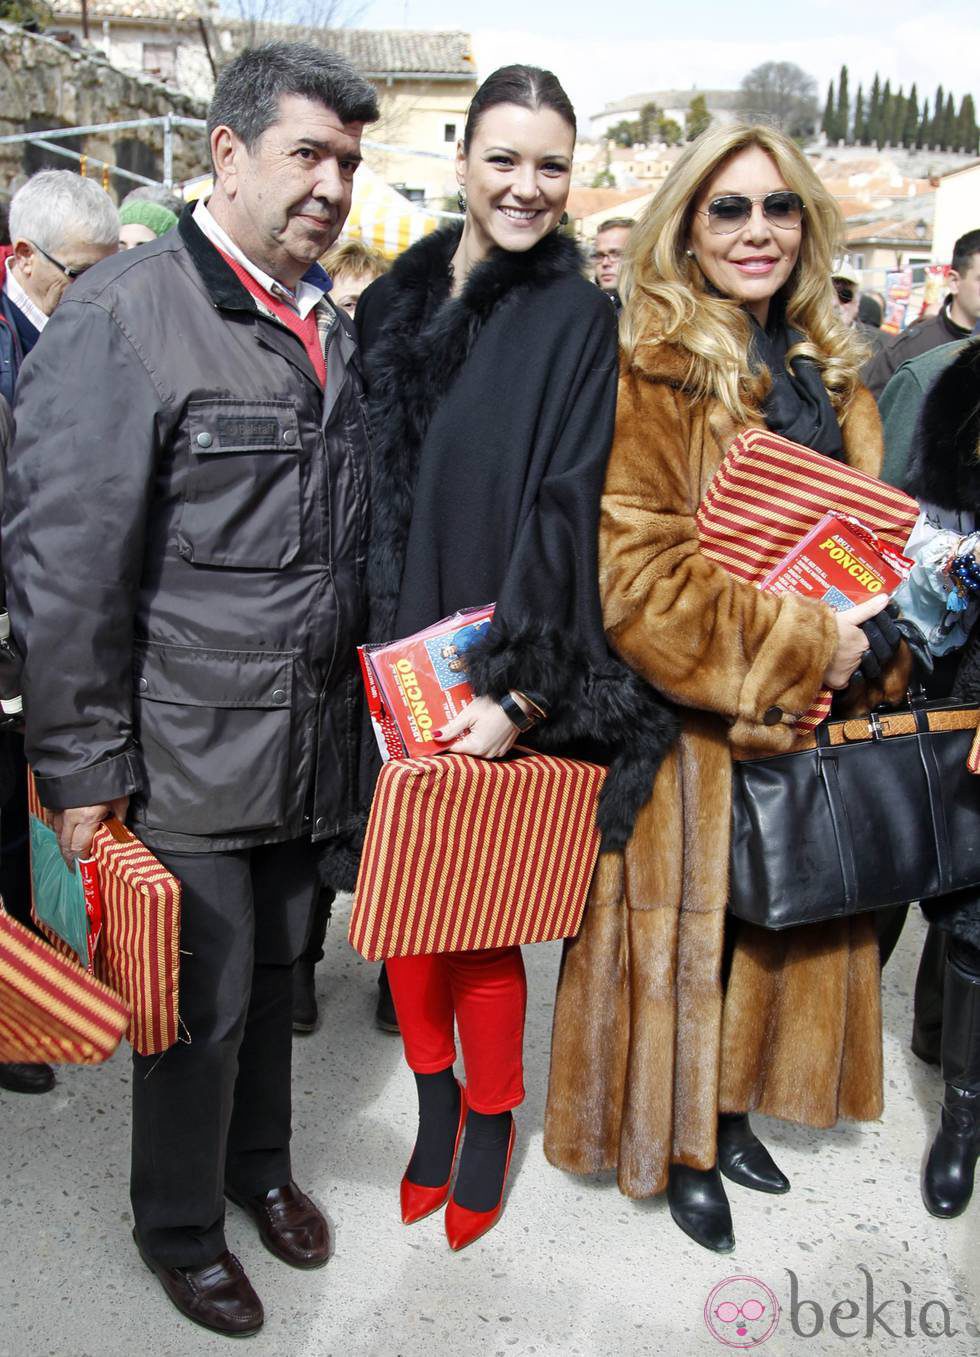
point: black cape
(491, 418)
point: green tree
(949, 125)
(925, 124)
(910, 125)
(671, 132)
(936, 126)
(884, 115)
(623, 134)
(873, 122)
(782, 93)
(26, 12)
(843, 105)
(860, 126)
(969, 134)
(697, 119)
(828, 123)
(896, 123)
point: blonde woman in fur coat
(673, 1021)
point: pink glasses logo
(741, 1312)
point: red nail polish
(437, 734)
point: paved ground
(573, 1268)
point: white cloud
(597, 72)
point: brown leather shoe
(217, 1296)
(290, 1226)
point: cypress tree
(896, 124)
(885, 115)
(873, 121)
(843, 106)
(949, 125)
(936, 126)
(829, 121)
(969, 134)
(922, 137)
(859, 124)
(910, 126)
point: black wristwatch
(515, 712)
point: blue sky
(604, 50)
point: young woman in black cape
(490, 369)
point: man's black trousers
(216, 1110)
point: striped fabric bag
(51, 1010)
(767, 495)
(138, 955)
(463, 854)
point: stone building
(44, 84)
(162, 39)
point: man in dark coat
(957, 318)
(185, 543)
(60, 225)
(944, 475)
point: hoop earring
(461, 199)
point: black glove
(884, 638)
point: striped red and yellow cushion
(138, 955)
(51, 1010)
(767, 495)
(463, 854)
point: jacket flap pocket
(226, 425)
(198, 676)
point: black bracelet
(516, 713)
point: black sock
(483, 1160)
(432, 1159)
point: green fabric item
(59, 900)
(158, 218)
(901, 403)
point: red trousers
(486, 994)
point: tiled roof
(149, 11)
(718, 99)
(904, 231)
(382, 51)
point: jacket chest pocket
(242, 496)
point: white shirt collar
(14, 290)
(307, 294)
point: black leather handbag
(873, 811)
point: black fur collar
(945, 465)
(424, 341)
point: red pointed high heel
(463, 1225)
(418, 1202)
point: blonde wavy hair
(666, 300)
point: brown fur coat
(646, 1046)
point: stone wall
(44, 84)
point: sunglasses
(70, 271)
(728, 1311)
(731, 212)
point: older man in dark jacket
(186, 516)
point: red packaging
(88, 871)
(414, 686)
(840, 562)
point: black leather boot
(927, 1025)
(947, 1179)
(698, 1204)
(743, 1158)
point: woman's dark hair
(525, 86)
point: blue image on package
(447, 653)
(836, 600)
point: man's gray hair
(155, 193)
(246, 97)
(55, 205)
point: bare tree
(263, 20)
(780, 93)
